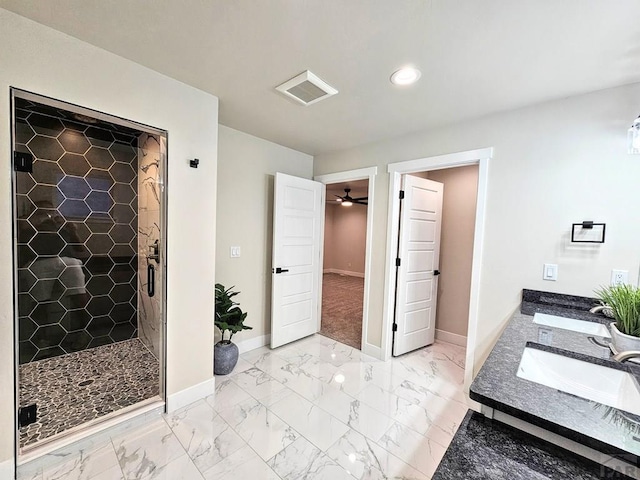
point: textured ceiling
(476, 56)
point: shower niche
(89, 244)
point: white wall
(246, 168)
(554, 164)
(345, 238)
(39, 59)
(456, 246)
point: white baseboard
(453, 338)
(343, 272)
(253, 343)
(189, 395)
(8, 469)
(372, 350)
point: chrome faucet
(624, 356)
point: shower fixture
(154, 252)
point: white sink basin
(582, 326)
(600, 384)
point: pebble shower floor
(72, 389)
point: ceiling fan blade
(361, 198)
(337, 195)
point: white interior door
(418, 251)
(298, 213)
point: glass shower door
(90, 327)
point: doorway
(345, 240)
(343, 180)
(89, 263)
(479, 157)
(460, 188)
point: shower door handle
(151, 280)
(154, 252)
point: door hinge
(401, 194)
(397, 262)
(394, 328)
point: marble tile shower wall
(149, 221)
(76, 232)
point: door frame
(100, 424)
(478, 157)
(348, 176)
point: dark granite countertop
(497, 385)
(483, 449)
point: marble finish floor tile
(364, 459)
(267, 361)
(309, 420)
(244, 463)
(259, 427)
(143, 452)
(302, 460)
(314, 409)
(257, 383)
(227, 394)
(420, 452)
(423, 393)
(240, 367)
(302, 382)
(180, 469)
(205, 436)
(100, 462)
(356, 376)
(355, 414)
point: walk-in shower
(89, 240)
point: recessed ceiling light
(405, 76)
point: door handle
(436, 273)
(151, 280)
(281, 270)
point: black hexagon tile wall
(77, 232)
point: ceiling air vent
(306, 88)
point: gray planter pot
(225, 357)
(622, 342)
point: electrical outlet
(234, 252)
(619, 277)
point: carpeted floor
(342, 308)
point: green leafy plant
(229, 316)
(624, 300)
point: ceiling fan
(347, 200)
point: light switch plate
(550, 272)
(234, 252)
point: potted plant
(624, 301)
(229, 317)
